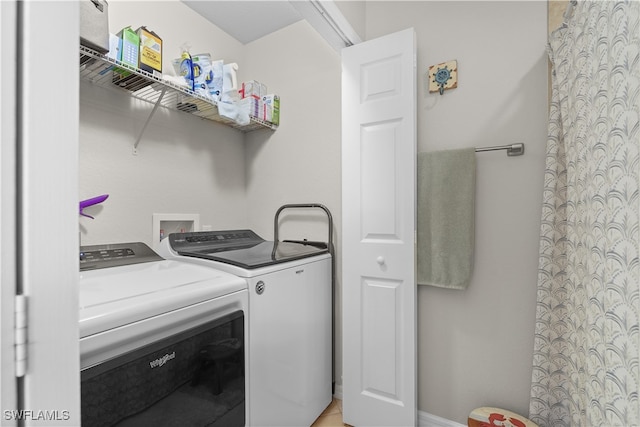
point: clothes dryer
(162, 342)
(289, 286)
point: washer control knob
(260, 287)
(380, 260)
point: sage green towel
(446, 217)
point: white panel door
(378, 237)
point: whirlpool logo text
(162, 360)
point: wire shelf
(113, 74)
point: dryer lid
(242, 248)
(117, 296)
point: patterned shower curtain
(587, 343)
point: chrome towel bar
(512, 149)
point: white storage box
(94, 25)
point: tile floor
(332, 416)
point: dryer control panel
(115, 255)
(214, 241)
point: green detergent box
(129, 47)
(271, 109)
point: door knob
(380, 260)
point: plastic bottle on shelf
(186, 66)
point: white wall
(300, 162)
(184, 164)
(475, 346)
(355, 12)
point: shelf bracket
(144, 128)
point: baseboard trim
(424, 418)
(429, 420)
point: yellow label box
(150, 51)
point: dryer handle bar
(305, 206)
(333, 275)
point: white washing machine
(290, 352)
(162, 342)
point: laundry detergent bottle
(186, 68)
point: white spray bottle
(230, 80)
(228, 105)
